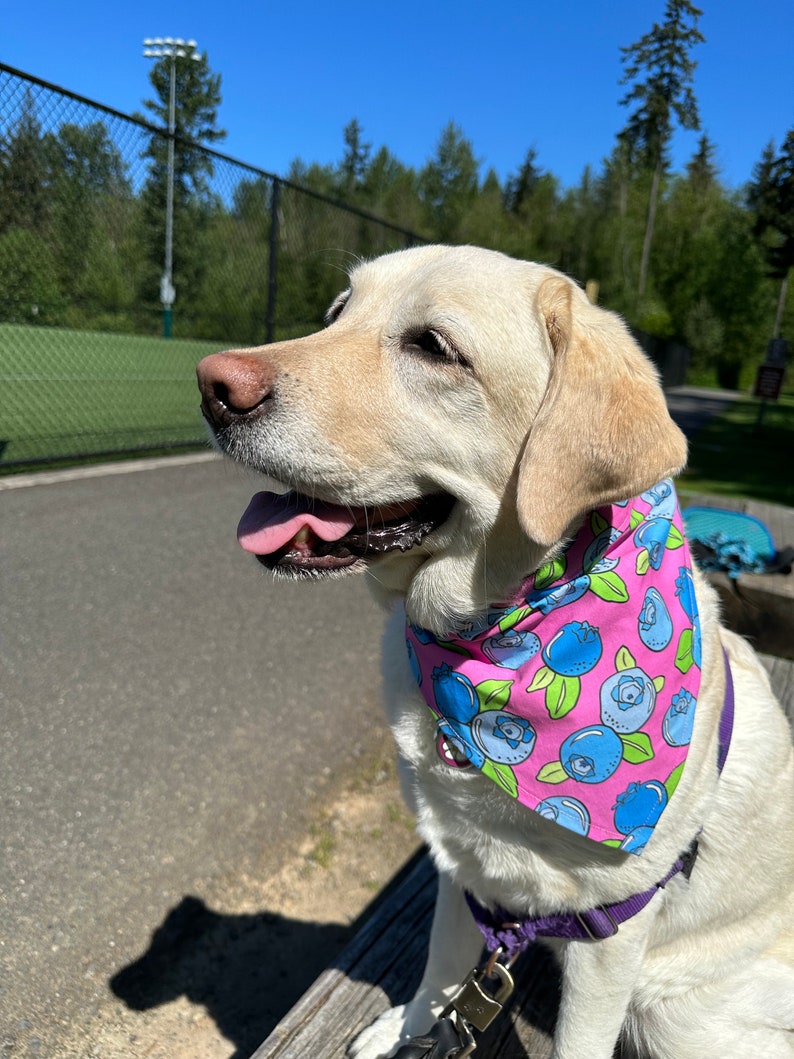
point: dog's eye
(437, 346)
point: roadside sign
(769, 382)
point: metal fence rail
(84, 369)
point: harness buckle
(598, 923)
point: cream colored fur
(552, 411)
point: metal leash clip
(451, 1036)
(473, 1004)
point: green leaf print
(637, 748)
(673, 779)
(684, 659)
(450, 645)
(609, 587)
(598, 524)
(513, 618)
(636, 518)
(503, 775)
(643, 562)
(624, 660)
(674, 538)
(493, 694)
(562, 694)
(542, 679)
(553, 773)
(550, 572)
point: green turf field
(67, 394)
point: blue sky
(512, 75)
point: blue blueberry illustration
(546, 600)
(575, 649)
(594, 561)
(503, 737)
(655, 623)
(679, 719)
(511, 649)
(636, 840)
(422, 635)
(567, 812)
(696, 644)
(592, 754)
(473, 628)
(652, 534)
(685, 590)
(662, 499)
(454, 693)
(414, 661)
(640, 805)
(460, 738)
(627, 700)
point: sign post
(770, 375)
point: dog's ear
(603, 432)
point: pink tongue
(271, 521)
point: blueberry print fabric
(578, 699)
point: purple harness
(502, 931)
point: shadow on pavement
(245, 969)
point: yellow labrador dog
(495, 453)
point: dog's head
(454, 421)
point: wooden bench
(384, 962)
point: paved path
(692, 407)
(168, 715)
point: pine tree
(356, 158)
(448, 184)
(659, 70)
(771, 200)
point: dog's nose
(234, 386)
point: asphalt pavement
(169, 716)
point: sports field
(66, 394)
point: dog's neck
(454, 588)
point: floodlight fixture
(173, 49)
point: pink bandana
(579, 700)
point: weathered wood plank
(383, 963)
(781, 676)
(380, 967)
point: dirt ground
(215, 980)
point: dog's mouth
(291, 533)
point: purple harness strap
(501, 930)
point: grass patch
(732, 456)
(68, 393)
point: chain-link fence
(85, 368)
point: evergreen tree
(520, 188)
(197, 98)
(353, 169)
(659, 70)
(771, 200)
(24, 173)
(87, 171)
(448, 184)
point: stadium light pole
(172, 48)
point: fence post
(272, 265)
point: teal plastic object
(729, 541)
